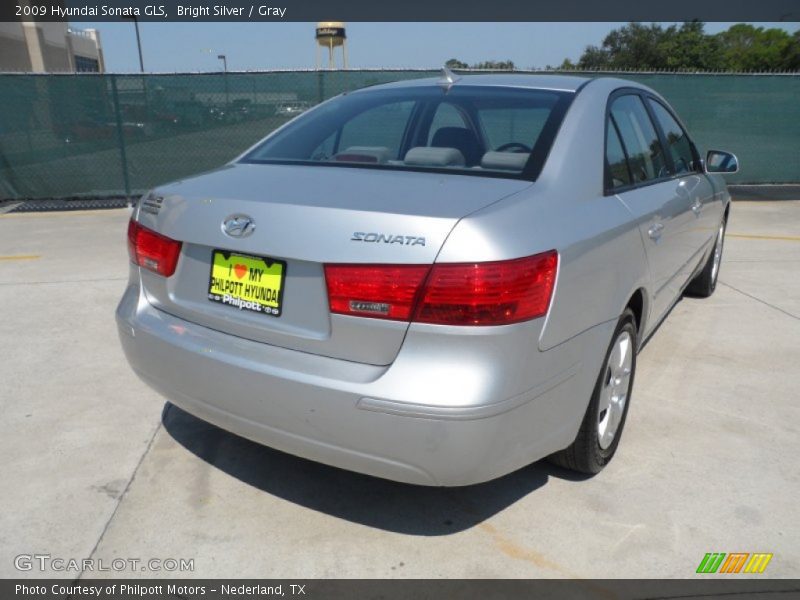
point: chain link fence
(119, 135)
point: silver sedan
(436, 281)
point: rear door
(639, 173)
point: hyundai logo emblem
(238, 226)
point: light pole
(224, 60)
(138, 42)
(141, 63)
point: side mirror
(718, 161)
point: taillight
(152, 250)
(380, 291)
(489, 293)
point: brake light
(490, 293)
(152, 250)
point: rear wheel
(704, 284)
(604, 420)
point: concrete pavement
(94, 464)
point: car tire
(602, 425)
(705, 282)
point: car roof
(566, 83)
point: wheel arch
(638, 304)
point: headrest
(424, 156)
(505, 161)
(365, 154)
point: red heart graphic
(240, 270)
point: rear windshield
(471, 130)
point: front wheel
(704, 284)
(601, 428)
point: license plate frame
(243, 286)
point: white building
(37, 47)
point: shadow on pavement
(397, 507)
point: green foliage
(500, 65)
(454, 63)
(748, 48)
(743, 47)
(497, 65)
(791, 55)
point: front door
(691, 184)
(640, 174)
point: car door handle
(655, 230)
(697, 206)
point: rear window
(471, 130)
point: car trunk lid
(305, 217)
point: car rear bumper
(448, 422)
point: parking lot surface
(96, 465)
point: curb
(777, 191)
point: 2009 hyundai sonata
(435, 281)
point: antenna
(447, 79)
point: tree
(454, 63)
(748, 48)
(689, 47)
(743, 47)
(497, 65)
(635, 46)
(595, 58)
(791, 54)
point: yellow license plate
(244, 282)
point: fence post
(120, 136)
(320, 86)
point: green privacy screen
(113, 135)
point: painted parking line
(21, 257)
(782, 238)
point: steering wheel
(517, 147)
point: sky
(194, 46)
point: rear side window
(639, 139)
(678, 144)
(616, 160)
